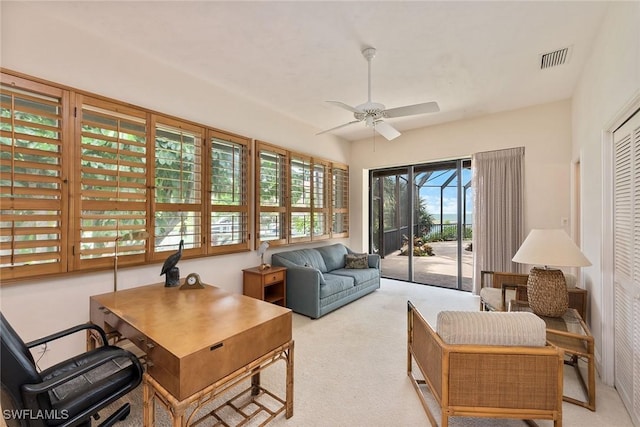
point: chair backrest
(495, 279)
(17, 367)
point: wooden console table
(198, 343)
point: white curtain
(498, 210)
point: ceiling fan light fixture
(374, 113)
(369, 121)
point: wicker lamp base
(547, 292)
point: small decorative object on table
(261, 250)
(169, 269)
(547, 288)
(192, 282)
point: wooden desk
(197, 342)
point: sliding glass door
(420, 223)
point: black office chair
(69, 393)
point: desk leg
(289, 387)
(148, 403)
(255, 383)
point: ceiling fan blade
(410, 110)
(338, 127)
(345, 106)
(386, 130)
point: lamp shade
(550, 247)
(263, 248)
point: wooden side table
(572, 335)
(268, 285)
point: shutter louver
(340, 198)
(33, 201)
(271, 206)
(229, 193)
(627, 263)
(112, 185)
(321, 201)
(178, 188)
(300, 197)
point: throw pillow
(356, 261)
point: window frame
(288, 210)
(344, 210)
(68, 252)
(33, 89)
(283, 202)
(243, 207)
(70, 202)
(76, 219)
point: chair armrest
(69, 331)
(77, 367)
(484, 277)
(521, 292)
(303, 290)
(374, 261)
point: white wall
(610, 80)
(53, 50)
(544, 131)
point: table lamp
(261, 251)
(546, 287)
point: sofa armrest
(374, 261)
(303, 290)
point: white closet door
(627, 263)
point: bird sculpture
(169, 269)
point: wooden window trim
(282, 210)
(288, 209)
(244, 207)
(70, 130)
(32, 89)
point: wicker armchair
(497, 288)
(497, 380)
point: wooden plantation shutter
(229, 192)
(627, 263)
(110, 184)
(178, 194)
(340, 201)
(33, 191)
(321, 182)
(271, 203)
(300, 198)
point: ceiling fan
(373, 113)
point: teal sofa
(318, 282)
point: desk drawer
(274, 277)
(218, 360)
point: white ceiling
(473, 58)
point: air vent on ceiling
(555, 58)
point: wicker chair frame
(483, 380)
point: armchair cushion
(491, 328)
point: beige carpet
(350, 368)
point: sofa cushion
(333, 256)
(491, 328)
(356, 261)
(359, 275)
(334, 284)
(303, 258)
